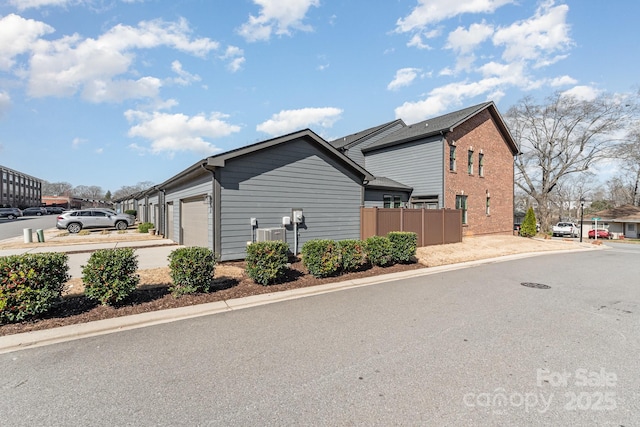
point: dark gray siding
(355, 152)
(417, 164)
(268, 184)
(197, 187)
(375, 198)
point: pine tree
(528, 228)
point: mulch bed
(76, 309)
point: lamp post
(581, 217)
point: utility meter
(296, 216)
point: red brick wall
(481, 133)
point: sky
(112, 93)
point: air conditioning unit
(269, 234)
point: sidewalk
(152, 251)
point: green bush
(109, 276)
(528, 228)
(192, 270)
(144, 227)
(403, 246)
(267, 262)
(378, 249)
(353, 254)
(321, 257)
(30, 284)
(132, 212)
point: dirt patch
(231, 282)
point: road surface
(466, 347)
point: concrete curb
(11, 343)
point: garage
(194, 222)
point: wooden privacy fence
(433, 226)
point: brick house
(461, 160)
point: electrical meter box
(296, 216)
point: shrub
(84, 233)
(109, 275)
(353, 254)
(267, 261)
(528, 228)
(378, 250)
(403, 246)
(31, 284)
(321, 257)
(144, 227)
(192, 270)
(132, 212)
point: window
(470, 162)
(452, 158)
(481, 164)
(488, 207)
(389, 201)
(426, 202)
(461, 203)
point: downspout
(444, 167)
(216, 236)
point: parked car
(603, 233)
(10, 213)
(74, 221)
(565, 229)
(51, 210)
(34, 210)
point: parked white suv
(75, 221)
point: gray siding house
(226, 201)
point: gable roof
(444, 124)
(353, 139)
(219, 160)
(626, 213)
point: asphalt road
(467, 347)
(13, 228)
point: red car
(602, 234)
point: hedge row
(324, 258)
(31, 284)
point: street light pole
(581, 218)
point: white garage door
(194, 222)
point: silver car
(75, 221)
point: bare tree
(629, 157)
(88, 192)
(565, 136)
(128, 190)
(56, 189)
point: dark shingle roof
(624, 213)
(441, 125)
(387, 183)
(353, 138)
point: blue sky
(116, 92)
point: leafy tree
(107, 195)
(528, 228)
(563, 137)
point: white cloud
(17, 36)
(279, 16)
(235, 56)
(184, 77)
(563, 81)
(77, 142)
(429, 12)
(35, 4)
(536, 38)
(465, 41)
(171, 133)
(583, 93)
(404, 77)
(65, 66)
(5, 103)
(288, 121)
